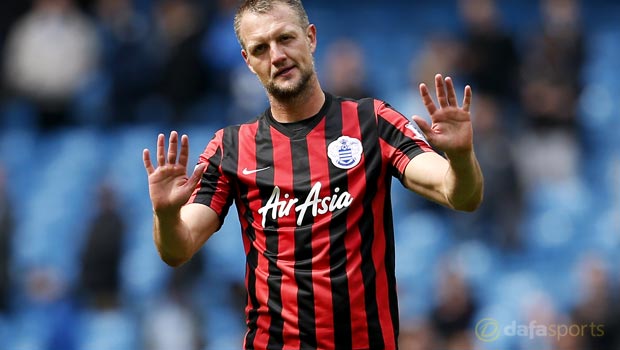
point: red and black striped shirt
(316, 218)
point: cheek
(309, 54)
(263, 72)
(259, 68)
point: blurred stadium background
(86, 85)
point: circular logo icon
(487, 330)
(346, 152)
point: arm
(455, 184)
(179, 230)
(180, 235)
(457, 181)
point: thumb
(422, 124)
(196, 175)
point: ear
(311, 35)
(247, 60)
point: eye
(259, 49)
(286, 38)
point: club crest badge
(345, 152)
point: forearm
(172, 238)
(180, 235)
(463, 182)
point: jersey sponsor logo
(279, 206)
(245, 171)
(413, 126)
(345, 152)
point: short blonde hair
(264, 6)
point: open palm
(450, 130)
(169, 186)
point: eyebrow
(285, 30)
(252, 47)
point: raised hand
(169, 186)
(451, 129)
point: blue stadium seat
(421, 237)
(18, 114)
(105, 330)
(143, 273)
(225, 251)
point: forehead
(258, 26)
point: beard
(293, 91)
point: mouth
(283, 71)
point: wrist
(167, 217)
(171, 237)
(461, 159)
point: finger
(173, 145)
(161, 158)
(196, 175)
(451, 92)
(146, 158)
(441, 91)
(467, 98)
(423, 124)
(183, 156)
(427, 100)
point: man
(311, 181)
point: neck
(303, 106)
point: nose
(277, 55)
